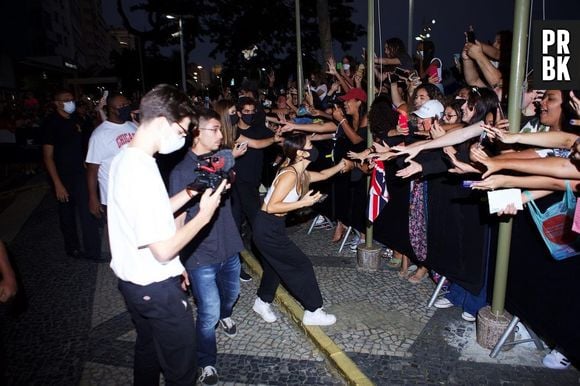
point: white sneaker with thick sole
(264, 310)
(467, 317)
(443, 303)
(318, 318)
(555, 360)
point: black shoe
(208, 376)
(244, 276)
(229, 327)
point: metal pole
(517, 73)
(370, 95)
(299, 72)
(183, 81)
(410, 31)
(140, 51)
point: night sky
(452, 18)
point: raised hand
(310, 198)
(436, 130)
(461, 167)
(490, 183)
(359, 156)
(411, 170)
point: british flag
(378, 193)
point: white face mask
(346, 66)
(171, 143)
(69, 107)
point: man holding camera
(145, 242)
(212, 259)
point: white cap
(432, 108)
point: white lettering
(563, 40)
(562, 66)
(548, 39)
(548, 68)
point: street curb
(337, 358)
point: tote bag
(555, 225)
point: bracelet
(342, 120)
(312, 136)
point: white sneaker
(264, 310)
(443, 303)
(555, 360)
(318, 318)
(467, 317)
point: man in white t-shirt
(106, 142)
(145, 242)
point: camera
(210, 173)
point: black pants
(165, 332)
(245, 202)
(284, 262)
(78, 201)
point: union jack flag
(378, 194)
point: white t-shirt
(106, 142)
(138, 214)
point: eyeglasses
(183, 131)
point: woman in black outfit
(283, 261)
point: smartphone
(500, 110)
(470, 36)
(467, 183)
(339, 66)
(242, 145)
(482, 137)
(322, 198)
(401, 72)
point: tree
(234, 26)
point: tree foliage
(234, 26)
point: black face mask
(234, 119)
(248, 119)
(312, 154)
(124, 113)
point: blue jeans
(216, 288)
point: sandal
(414, 280)
(403, 274)
(394, 263)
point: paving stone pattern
(77, 331)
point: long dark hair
(292, 143)
(382, 117)
(483, 100)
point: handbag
(555, 225)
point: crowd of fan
(434, 133)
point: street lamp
(182, 50)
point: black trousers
(76, 185)
(284, 262)
(165, 332)
(245, 202)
